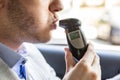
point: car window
(100, 22)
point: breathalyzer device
(76, 41)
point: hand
(88, 68)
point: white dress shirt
(36, 66)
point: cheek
(43, 21)
(43, 18)
(41, 14)
(43, 27)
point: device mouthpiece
(69, 22)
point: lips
(54, 24)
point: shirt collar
(9, 56)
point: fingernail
(66, 49)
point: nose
(56, 5)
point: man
(32, 21)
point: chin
(38, 41)
(41, 39)
(45, 39)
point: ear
(2, 3)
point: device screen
(74, 35)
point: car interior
(100, 23)
(54, 54)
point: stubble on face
(23, 23)
(19, 18)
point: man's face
(33, 19)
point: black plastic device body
(75, 38)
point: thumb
(69, 59)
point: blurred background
(100, 22)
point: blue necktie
(22, 70)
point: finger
(96, 61)
(89, 56)
(96, 66)
(69, 59)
